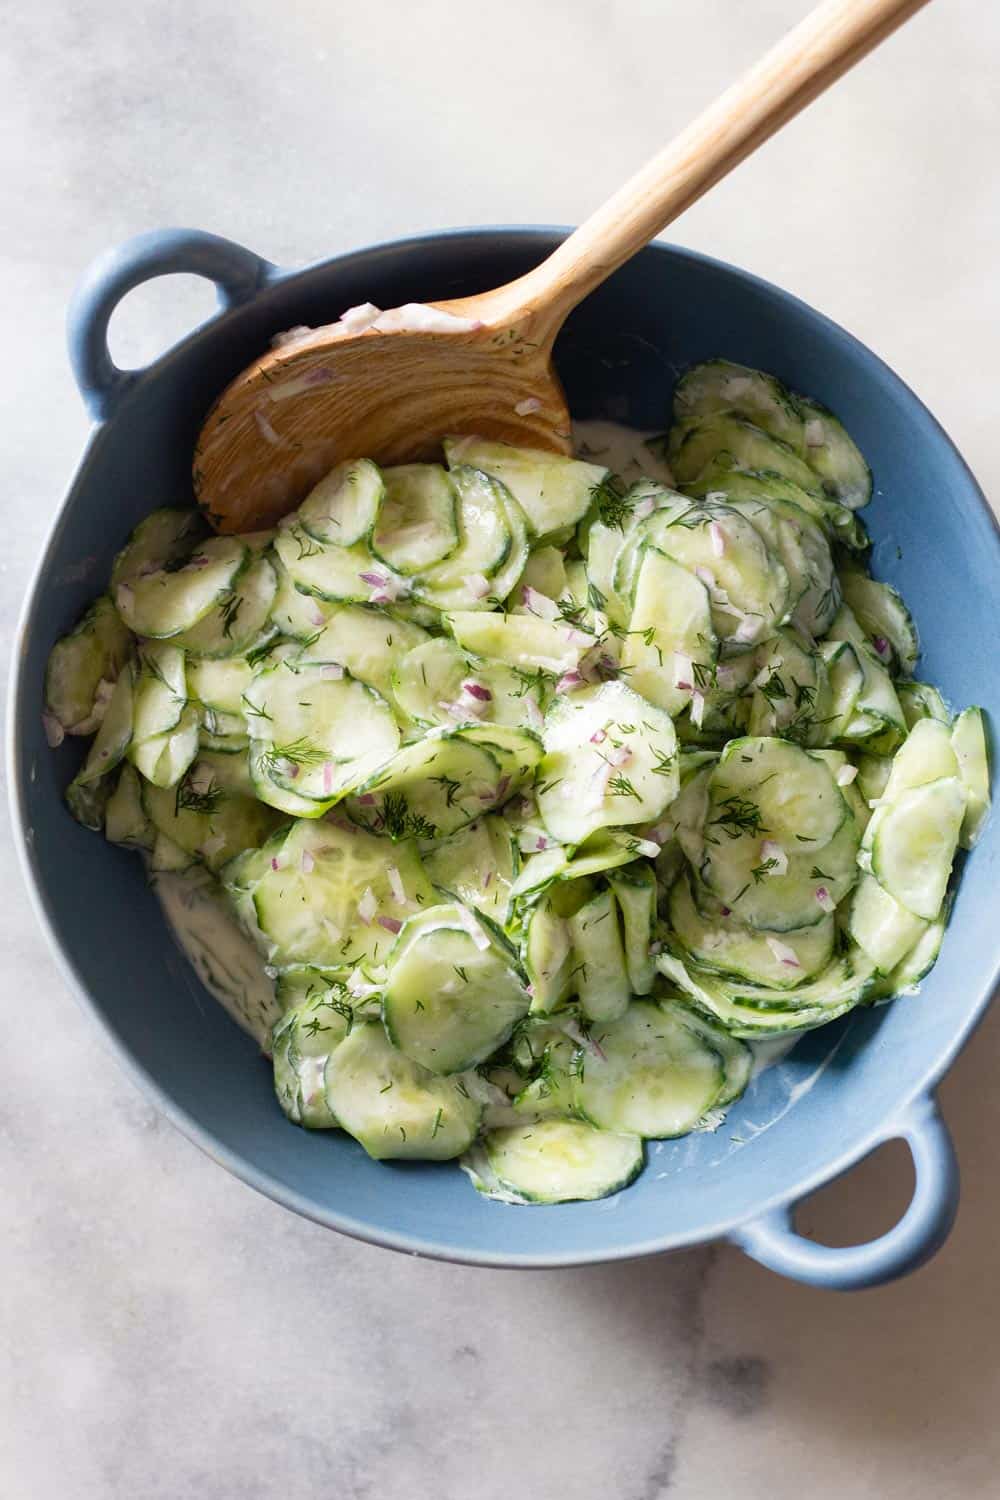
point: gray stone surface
(164, 1332)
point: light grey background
(164, 1332)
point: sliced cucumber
(968, 738)
(163, 758)
(754, 1013)
(336, 575)
(125, 817)
(206, 819)
(546, 573)
(218, 685)
(452, 996)
(725, 477)
(115, 733)
(611, 760)
(722, 944)
(599, 976)
(791, 697)
(547, 956)
(431, 788)
(164, 538)
(393, 1106)
(297, 615)
(719, 385)
(328, 895)
(341, 509)
(523, 642)
(832, 454)
(921, 701)
(164, 603)
(319, 733)
(926, 754)
(160, 691)
(240, 618)
(635, 890)
(884, 618)
(647, 1074)
(670, 651)
(370, 644)
(878, 924)
(701, 440)
(558, 1161)
(472, 576)
(83, 667)
(438, 684)
(301, 1044)
(554, 492)
(418, 522)
(477, 865)
(912, 843)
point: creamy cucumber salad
(511, 801)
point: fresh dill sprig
(738, 816)
(205, 800)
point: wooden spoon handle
(811, 57)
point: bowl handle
(773, 1241)
(238, 275)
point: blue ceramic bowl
(843, 1090)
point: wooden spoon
(390, 390)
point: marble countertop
(165, 1333)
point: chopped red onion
(824, 899)
(683, 671)
(319, 375)
(366, 799)
(503, 785)
(539, 604)
(396, 885)
(846, 775)
(307, 863)
(724, 911)
(477, 691)
(418, 317)
(569, 681)
(814, 433)
(644, 507)
(881, 646)
(367, 906)
(783, 953)
(477, 584)
(718, 537)
(267, 432)
(357, 319)
(697, 709)
(391, 924)
(598, 737)
(529, 989)
(333, 670)
(526, 407)
(318, 617)
(620, 756)
(274, 864)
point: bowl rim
(723, 1228)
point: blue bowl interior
(800, 1122)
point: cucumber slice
(635, 890)
(884, 618)
(160, 691)
(452, 997)
(756, 1013)
(846, 679)
(610, 760)
(516, 751)
(879, 925)
(333, 896)
(607, 849)
(476, 866)
(341, 509)
(792, 695)
(547, 956)
(553, 491)
(724, 477)
(546, 573)
(521, 641)
(218, 685)
(83, 667)
(556, 1161)
(671, 649)
(125, 818)
(438, 684)
(611, 532)
(297, 615)
(779, 839)
(394, 1107)
(912, 843)
(926, 754)
(968, 738)
(725, 946)
(873, 775)
(719, 385)
(114, 735)
(164, 538)
(905, 978)
(599, 975)
(163, 758)
(431, 788)
(302, 1042)
(798, 542)
(737, 1057)
(701, 440)
(368, 642)
(240, 618)
(164, 603)
(206, 819)
(832, 454)
(919, 700)
(168, 858)
(647, 1074)
(418, 523)
(467, 577)
(337, 575)
(318, 734)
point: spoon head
(391, 396)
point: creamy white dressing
(222, 956)
(225, 959)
